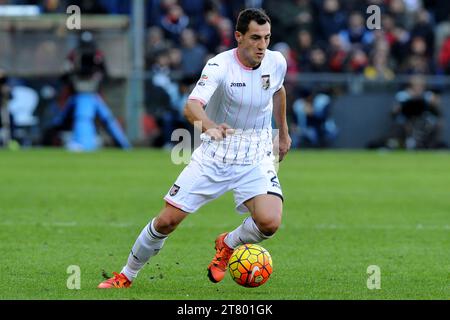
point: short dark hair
(248, 15)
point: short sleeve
(281, 70)
(212, 76)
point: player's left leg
(266, 211)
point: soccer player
(233, 102)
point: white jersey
(242, 98)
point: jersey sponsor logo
(201, 83)
(204, 77)
(237, 84)
(174, 190)
(213, 64)
(265, 81)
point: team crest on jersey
(265, 81)
(174, 190)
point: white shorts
(205, 179)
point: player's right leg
(148, 244)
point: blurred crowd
(327, 36)
(317, 35)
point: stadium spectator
(317, 61)
(337, 53)
(358, 61)
(176, 119)
(162, 95)
(175, 63)
(156, 43)
(18, 103)
(417, 117)
(194, 10)
(22, 106)
(226, 32)
(174, 22)
(331, 19)
(424, 28)
(215, 31)
(388, 27)
(356, 35)
(439, 9)
(83, 105)
(303, 49)
(417, 61)
(379, 64)
(289, 55)
(419, 46)
(397, 9)
(444, 56)
(400, 46)
(290, 16)
(192, 54)
(85, 65)
(315, 127)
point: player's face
(253, 43)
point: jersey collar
(241, 64)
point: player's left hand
(284, 142)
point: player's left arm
(279, 112)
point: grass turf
(343, 212)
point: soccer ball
(250, 265)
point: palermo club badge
(174, 190)
(265, 81)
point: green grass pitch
(344, 211)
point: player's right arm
(211, 78)
(197, 116)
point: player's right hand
(219, 132)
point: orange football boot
(218, 266)
(118, 281)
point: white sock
(247, 232)
(146, 246)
